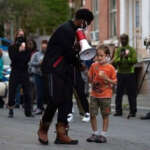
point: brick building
(114, 17)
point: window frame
(95, 26)
(112, 13)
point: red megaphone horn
(87, 52)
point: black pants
(79, 87)
(1, 102)
(59, 92)
(19, 78)
(126, 82)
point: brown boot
(43, 133)
(62, 137)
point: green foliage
(33, 15)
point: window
(137, 14)
(112, 18)
(95, 27)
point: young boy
(102, 77)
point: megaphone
(87, 52)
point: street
(19, 133)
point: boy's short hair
(84, 14)
(104, 48)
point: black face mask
(20, 40)
(124, 41)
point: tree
(33, 15)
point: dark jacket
(60, 55)
(19, 60)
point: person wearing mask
(35, 65)
(19, 56)
(81, 94)
(124, 60)
(58, 65)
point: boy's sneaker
(92, 138)
(11, 113)
(86, 118)
(70, 117)
(38, 111)
(101, 139)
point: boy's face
(100, 56)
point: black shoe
(131, 115)
(1, 106)
(28, 114)
(11, 113)
(17, 106)
(117, 114)
(147, 116)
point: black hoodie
(60, 50)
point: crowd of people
(55, 75)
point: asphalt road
(19, 133)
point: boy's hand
(106, 78)
(103, 75)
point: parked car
(4, 43)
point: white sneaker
(38, 111)
(73, 110)
(86, 117)
(70, 117)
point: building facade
(114, 17)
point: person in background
(102, 77)
(20, 57)
(124, 60)
(80, 92)
(1, 77)
(35, 64)
(32, 47)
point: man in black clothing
(57, 67)
(19, 56)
